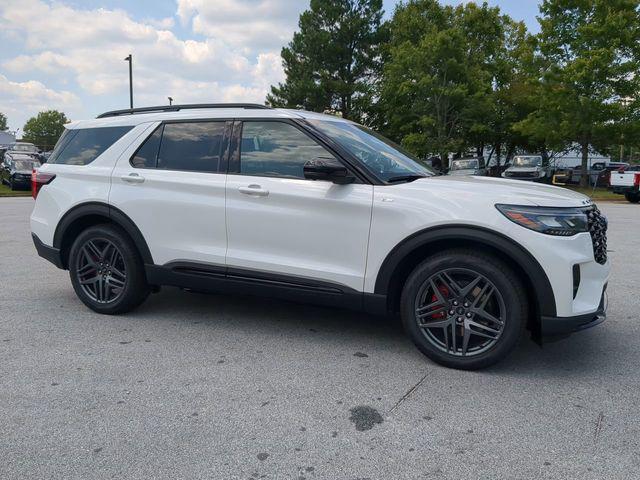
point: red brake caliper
(434, 298)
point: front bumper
(21, 180)
(558, 327)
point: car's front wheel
(106, 270)
(464, 309)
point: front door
(280, 224)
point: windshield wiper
(405, 178)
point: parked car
(468, 166)
(302, 206)
(599, 173)
(527, 167)
(44, 156)
(626, 181)
(16, 170)
(23, 148)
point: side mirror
(327, 168)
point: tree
(424, 81)
(445, 69)
(44, 129)
(3, 122)
(591, 55)
(332, 62)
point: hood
(499, 190)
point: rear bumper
(559, 327)
(624, 189)
(48, 253)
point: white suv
(308, 207)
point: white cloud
(33, 96)
(253, 25)
(233, 54)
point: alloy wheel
(101, 271)
(460, 312)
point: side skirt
(219, 279)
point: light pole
(170, 100)
(130, 60)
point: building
(7, 138)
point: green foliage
(3, 122)
(590, 51)
(331, 63)
(444, 79)
(44, 129)
(455, 79)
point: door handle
(254, 190)
(132, 178)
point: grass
(600, 193)
(5, 191)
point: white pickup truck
(627, 182)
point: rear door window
(191, 146)
(147, 154)
(83, 145)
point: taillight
(38, 179)
(636, 181)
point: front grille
(598, 230)
(521, 174)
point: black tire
(509, 301)
(11, 184)
(125, 298)
(632, 197)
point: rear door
(284, 227)
(173, 188)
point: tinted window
(380, 154)
(83, 146)
(193, 146)
(276, 149)
(147, 154)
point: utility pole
(170, 100)
(130, 60)
(622, 148)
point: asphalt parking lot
(194, 386)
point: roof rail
(176, 108)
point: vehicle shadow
(577, 356)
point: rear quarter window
(83, 145)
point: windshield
(527, 161)
(464, 165)
(24, 147)
(24, 164)
(383, 157)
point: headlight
(563, 222)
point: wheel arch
(88, 214)
(408, 253)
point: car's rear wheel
(464, 309)
(632, 197)
(106, 270)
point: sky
(69, 54)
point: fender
(99, 209)
(449, 235)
